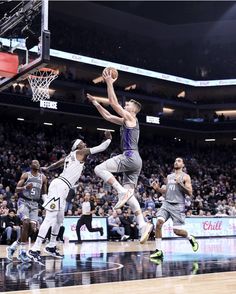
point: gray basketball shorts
(129, 163)
(27, 209)
(174, 211)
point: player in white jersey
(58, 191)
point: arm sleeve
(103, 146)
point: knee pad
(101, 172)
(161, 220)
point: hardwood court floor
(105, 267)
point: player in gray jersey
(30, 188)
(178, 185)
(129, 162)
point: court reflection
(94, 264)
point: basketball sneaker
(194, 243)
(145, 232)
(35, 256)
(123, 198)
(157, 261)
(53, 252)
(125, 238)
(22, 256)
(10, 253)
(158, 254)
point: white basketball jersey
(72, 169)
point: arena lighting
(210, 140)
(18, 84)
(20, 118)
(181, 94)
(80, 128)
(47, 124)
(226, 112)
(100, 129)
(168, 110)
(130, 87)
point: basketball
(112, 70)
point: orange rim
(45, 69)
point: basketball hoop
(40, 81)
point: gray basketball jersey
(174, 193)
(129, 137)
(35, 193)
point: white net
(40, 81)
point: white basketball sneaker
(145, 232)
(124, 197)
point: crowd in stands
(198, 59)
(212, 170)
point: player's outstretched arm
(104, 113)
(55, 165)
(112, 97)
(97, 149)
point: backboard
(24, 31)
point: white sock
(189, 237)
(117, 186)
(54, 234)
(140, 220)
(14, 245)
(22, 246)
(41, 235)
(158, 243)
(37, 245)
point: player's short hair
(181, 158)
(137, 104)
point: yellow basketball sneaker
(157, 254)
(194, 243)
